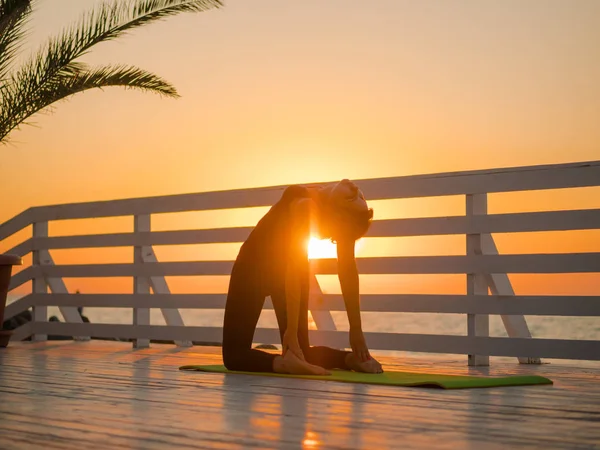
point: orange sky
(298, 91)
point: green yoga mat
(391, 378)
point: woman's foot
(368, 366)
(293, 365)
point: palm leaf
(104, 23)
(48, 72)
(13, 17)
(105, 76)
(77, 78)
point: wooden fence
(485, 269)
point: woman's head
(345, 213)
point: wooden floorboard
(67, 395)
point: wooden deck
(85, 395)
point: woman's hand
(290, 344)
(370, 366)
(359, 345)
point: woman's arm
(348, 275)
(349, 282)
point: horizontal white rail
(178, 237)
(477, 264)
(410, 303)
(492, 346)
(16, 224)
(455, 183)
(488, 223)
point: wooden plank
(478, 264)
(15, 224)
(19, 279)
(159, 286)
(22, 304)
(22, 332)
(498, 223)
(575, 306)
(138, 269)
(471, 182)
(22, 249)
(150, 332)
(493, 346)
(238, 198)
(540, 177)
(477, 324)
(526, 263)
(177, 237)
(490, 223)
(141, 284)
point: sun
(321, 248)
(324, 248)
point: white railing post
(39, 286)
(477, 324)
(141, 316)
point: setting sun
(321, 248)
(324, 248)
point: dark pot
(6, 263)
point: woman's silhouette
(274, 261)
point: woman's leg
(326, 357)
(245, 301)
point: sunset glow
(375, 90)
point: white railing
(483, 266)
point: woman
(274, 261)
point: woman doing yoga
(274, 262)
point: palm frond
(13, 17)
(46, 75)
(77, 78)
(105, 76)
(101, 24)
